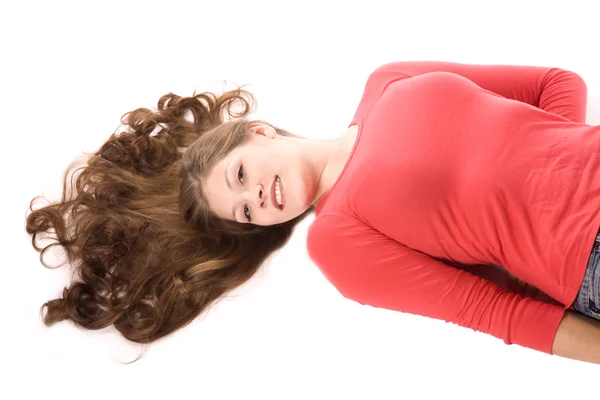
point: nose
(260, 197)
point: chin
(286, 217)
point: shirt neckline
(323, 200)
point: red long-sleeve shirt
(473, 164)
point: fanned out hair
(148, 256)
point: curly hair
(147, 253)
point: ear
(263, 129)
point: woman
(445, 171)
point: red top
(448, 167)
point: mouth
(273, 195)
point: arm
(578, 338)
(372, 269)
(555, 90)
(504, 279)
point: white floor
(69, 70)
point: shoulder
(330, 237)
(333, 242)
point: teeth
(277, 191)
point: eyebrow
(229, 186)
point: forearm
(578, 338)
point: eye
(241, 172)
(247, 215)
(241, 179)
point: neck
(328, 158)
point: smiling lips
(273, 195)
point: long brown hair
(149, 255)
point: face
(240, 187)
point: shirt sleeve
(372, 269)
(555, 90)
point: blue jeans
(587, 301)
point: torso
(351, 133)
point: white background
(68, 71)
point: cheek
(269, 163)
(300, 184)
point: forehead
(216, 190)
